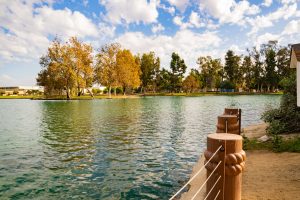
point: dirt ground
(271, 175)
(268, 175)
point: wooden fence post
(233, 163)
(228, 124)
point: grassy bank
(105, 96)
(210, 94)
(276, 144)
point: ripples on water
(109, 149)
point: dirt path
(271, 175)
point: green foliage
(277, 144)
(231, 68)
(96, 91)
(210, 71)
(164, 80)
(178, 69)
(285, 119)
(227, 85)
(149, 70)
(190, 83)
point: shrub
(286, 118)
(227, 85)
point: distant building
(20, 90)
(295, 63)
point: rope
(217, 195)
(224, 169)
(206, 180)
(195, 174)
(212, 188)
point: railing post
(232, 125)
(233, 163)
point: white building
(295, 63)
(20, 90)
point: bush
(285, 119)
(96, 91)
(227, 85)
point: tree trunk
(124, 91)
(109, 92)
(91, 92)
(68, 93)
(115, 91)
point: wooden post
(228, 124)
(232, 159)
(237, 112)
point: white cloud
(265, 38)
(180, 4)
(27, 27)
(157, 28)
(292, 27)
(130, 11)
(193, 21)
(170, 9)
(188, 44)
(285, 12)
(229, 11)
(267, 3)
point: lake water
(141, 148)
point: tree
(231, 68)
(283, 62)
(285, 119)
(164, 80)
(106, 66)
(191, 83)
(66, 67)
(269, 51)
(149, 70)
(128, 71)
(178, 69)
(83, 64)
(210, 71)
(247, 70)
(258, 70)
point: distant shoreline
(138, 95)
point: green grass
(276, 145)
(210, 94)
(18, 97)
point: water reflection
(108, 149)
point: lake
(141, 148)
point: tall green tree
(164, 80)
(210, 71)
(271, 78)
(258, 69)
(178, 69)
(232, 67)
(149, 70)
(283, 62)
(247, 71)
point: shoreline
(139, 96)
(273, 170)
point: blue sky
(192, 28)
